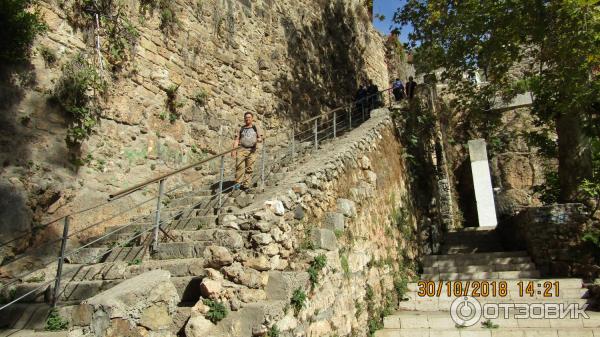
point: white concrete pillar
(482, 182)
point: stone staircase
(192, 227)
(475, 257)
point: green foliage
(555, 45)
(119, 36)
(135, 262)
(34, 279)
(316, 266)
(19, 25)
(171, 104)
(48, 55)
(273, 331)
(55, 322)
(375, 323)
(400, 286)
(76, 92)
(345, 265)
(592, 236)
(359, 307)
(168, 19)
(488, 324)
(201, 97)
(298, 300)
(549, 192)
(541, 140)
(216, 311)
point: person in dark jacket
(398, 89)
(372, 96)
(411, 85)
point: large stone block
(346, 207)
(334, 221)
(147, 301)
(323, 239)
(282, 284)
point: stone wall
(553, 237)
(281, 60)
(351, 206)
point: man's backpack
(248, 136)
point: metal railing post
(221, 174)
(61, 259)
(161, 191)
(362, 106)
(262, 167)
(349, 119)
(334, 124)
(293, 144)
(390, 98)
(316, 132)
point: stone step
(444, 303)
(507, 275)
(24, 316)
(122, 270)
(480, 332)
(479, 268)
(563, 283)
(475, 258)
(180, 250)
(32, 333)
(193, 223)
(443, 320)
(220, 237)
(188, 288)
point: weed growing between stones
(216, 311)
(316, 266)
(298, 300)
(76, 92)
(489, 325)
(8, 295)
(48, 55)
(135, 262)
(345, 265)
(168, 19)
(171, 104)
(200, 98)
(273, 331)
(55, 322)
(118, 35)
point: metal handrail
(319, 134)
(345, 106)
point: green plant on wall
(171, 103)
(20, 23)
(76, 92)
(168, 18)
(298, 300)
(318, 263)
(118, 35)
(216, 311)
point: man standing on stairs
(247, 139)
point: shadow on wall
(327, 63)
(14, 144)
(466, 194)
(15, 215)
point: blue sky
(388, 8)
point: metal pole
(293, 144)
(390, 97)
(350, 119)
(221, 174)
(161, 190)
(362, 106)
(61, 260)
(334, 124)
(262, 167)
(316, 132)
